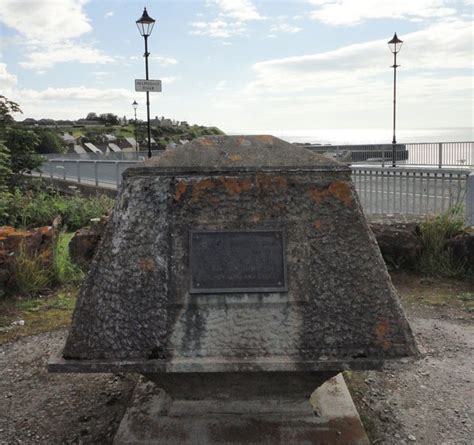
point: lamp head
(395, 44)
(145, 24)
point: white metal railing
(409, 191)
(103, 173)
(381, 190)
(429, 154)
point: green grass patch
(437, 259)
(65, 271)
(22, 317)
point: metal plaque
(228, 261)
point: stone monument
(237, 267)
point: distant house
(77, 149)
(91, 148)
(114, 148)
(68, 138)
(109, 138)
(127, 144)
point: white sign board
(148, 85)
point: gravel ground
(426, 402)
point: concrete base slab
(329, 417)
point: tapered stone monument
(237, 267)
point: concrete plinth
(329, 417)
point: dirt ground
(427, 402)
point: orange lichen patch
(341, 191)
(235, 158)
(317, 224)
(381, 331)
(201, 187)
(236, 186)
(271, 182)
(147, 264)
(180, 189)
(318, 195)
(6, 231)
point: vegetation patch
(21, 317)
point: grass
(64, 270)
(42, 314)
(436, 292)
(32, 275)
(436, 258)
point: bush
(32, 275)
(32, 209)
(437, 258)
(65, 272)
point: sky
(243, 65)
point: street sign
(148, 85)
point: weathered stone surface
(340, 312)
(462, 246)
(329, 417)
(400, 244)
(84, 243)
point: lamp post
(135, 105)
(145, 25)
(395, 45)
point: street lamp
(145, 25)
(135, 105)
(395, 45)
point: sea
(351, 136)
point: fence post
(440, 155)
(64, 170)
(51, 169)
(78, 171)
(117, 173)
(383, 155)
(96, 176)
(470, 200)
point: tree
(109, 119)
(22, 146)
(49, 142)
(92, 117)
(7, 108)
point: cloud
(49, 29)
(164, 61)
(230, 19)
(81, 94)
(357, 63)
(7, 80)
(352, 85)
(350, 12)
(221, 85)
(109, 14)
(241, 10)
(46, 21)
(65, 52)
(285, 28)
(218, 28)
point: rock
(462, 246)
(84, 243)
(399, 243)
(411, 438)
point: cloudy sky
(243, 65)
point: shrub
(436, 258)
(65, 272)
(32, 274)
(38, 208)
